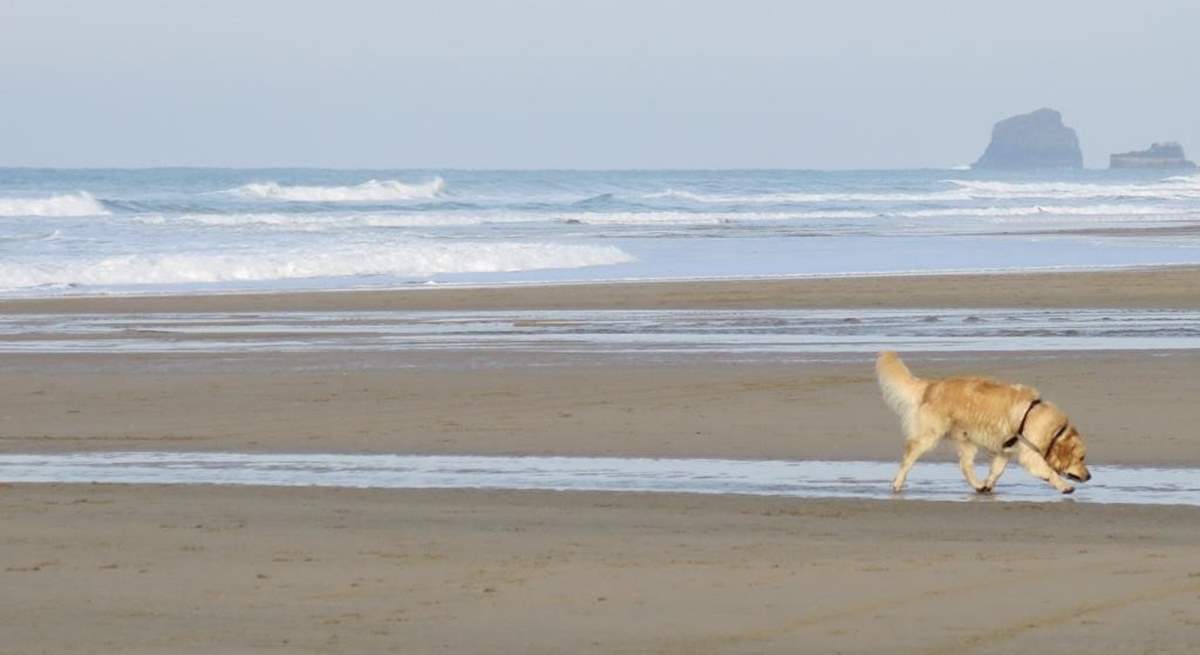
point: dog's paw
(1068, 489)
(897, 488)
(983, 489)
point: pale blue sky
(583, 84)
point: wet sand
(211, 569)
(1133, 408)
(143, 569)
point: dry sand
(139, 569)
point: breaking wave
(43, 236)
(71, 204)
(414, 259)
(369, 191)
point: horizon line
(960, 168)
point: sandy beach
(145, 569)
(210, 569)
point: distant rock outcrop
(1160, 155)
(1035, 140)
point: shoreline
(1166, 287)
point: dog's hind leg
(1036, 464)
(923, 436)
(998, 463)
(966, 462)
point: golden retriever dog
(1002, 419)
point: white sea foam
(333, 222)
(783, 198)
(410, 258)
(339, 221)
(1172, 188)
(1050, 210)
(1184, 179)
(704, 218)
(70, 204)
(369, 191)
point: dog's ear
(1059, 455)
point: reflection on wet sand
(803, 479)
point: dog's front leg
(966, 462)
(1036, 464)
(997, 469)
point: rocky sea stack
(1035, 140)
(1159, 155)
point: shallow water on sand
(771, 332)
(799, 479)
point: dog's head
(1067, 452)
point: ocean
(70, 232)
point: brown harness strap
(1050, 446)
(1021, 428)
(1020, 435)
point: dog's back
(983, 408)
(980, 404)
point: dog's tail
(902, 390)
